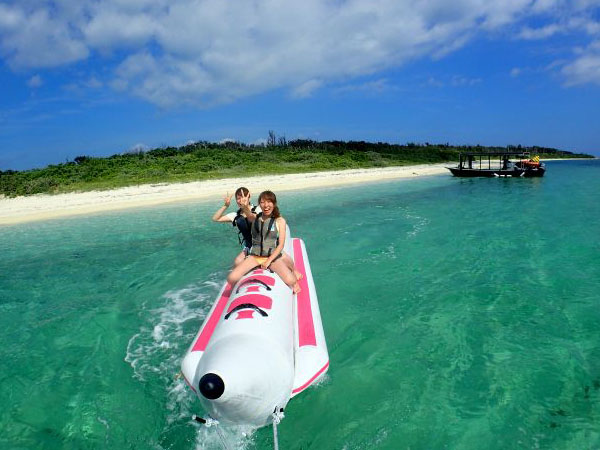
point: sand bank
(44, 206)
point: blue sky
(99, 77)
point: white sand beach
(45, 206)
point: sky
(100, 77)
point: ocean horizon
(458, 313)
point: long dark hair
(270, 195)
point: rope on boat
(210, 422)
(222, 437)
(277, 417)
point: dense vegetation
(204, 160)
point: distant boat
(498, 164)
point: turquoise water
(459, 314)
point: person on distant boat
(268, 237)
(238, 220)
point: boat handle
(245, 306)
(252, 281)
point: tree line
(208, 160)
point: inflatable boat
(259, 346)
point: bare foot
(296, 288)
(299, 275)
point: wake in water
(230, 437)
(156, 351)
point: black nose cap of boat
(211, 386)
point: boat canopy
(466, 159)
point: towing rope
(210, 422)
(277, 417)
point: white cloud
(455, 81)
(372, 87)
(434, 82)
(35, 81)
(559, 7)
(515, 72)
(113, 29)
(500, 13)
(585, 24)
(38, 39)
(541, 6)
(585, 68)
(460, 81)
(540, 33)
(306, 89)
(583, 4)
(10, 18)
(93, 83)
(205, 52)
(137, 148)
(572, 25)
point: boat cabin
(498, 164)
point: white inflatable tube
(259, 346)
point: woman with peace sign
(238, 220)
(268, 232)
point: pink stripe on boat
(306, 326)
(246, 314)
(305, 385)
(253, 289)
(211, 323)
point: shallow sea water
(459, 314)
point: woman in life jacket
(268, 237)
(238, 220)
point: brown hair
(242, 191)
(270, 195)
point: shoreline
(40, 207)
(47, 206)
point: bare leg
(242, 269)
(239, 258)
(287, 275)
(288, 262)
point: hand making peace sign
(227, 200)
